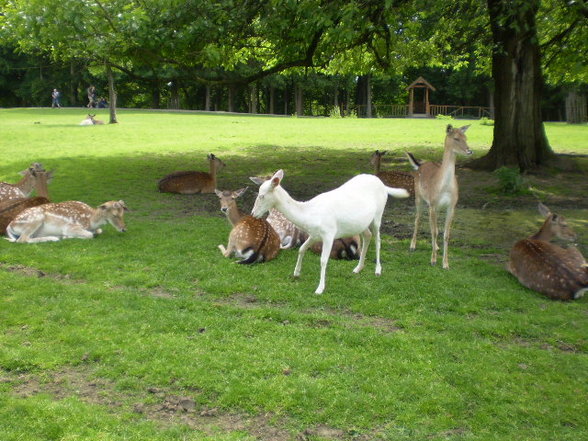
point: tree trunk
(207, 98)
(575, 107)
(155, 95)
(519, 135)
(231, 99)
(111, 94)
(254, 98)
(299, 98)
(272, 100)
(364, 97)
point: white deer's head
(266, 199)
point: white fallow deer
(192, 182)
(91, 120)
(355, 207)
(292, 237)
(252, 240)
(559, 273)
(392, 178)
(436, 186)
(25, 186)
(65, 220)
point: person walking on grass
(91, 97)
(55, 95)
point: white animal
(65, 220)
(356, 207)
(91, 121)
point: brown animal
(65, 220)
(252, 240)
(436, 185)
(25, 186)
(292, 237)
(392, 178)
(9, 209)
(540, 265)
(192, 182)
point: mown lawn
(153, 335)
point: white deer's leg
(76, 232)
(434, 231)
(446, 233)
(301, 253)
(419, 210)
(325, 254)
(376, 230)
(366, 236)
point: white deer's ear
(543, 210)
(277, 178)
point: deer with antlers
(65, 220)
(545, 267)
(436, 185)
(252, 240)
(192, 182)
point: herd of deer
(337, 224)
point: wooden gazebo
(419, 108)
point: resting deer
(252, 240)
(25, 186)
(191, 182)
(356, 207)
(542, 266)
(292, 237)
(91, 121)
(392, 178)
(436, 185)
(65, 220)
(9, 209)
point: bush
(485, 121)
(510, 181)
(440, 116)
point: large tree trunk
(519, 135)
(364, 97)
(111, 94)
(576, 107)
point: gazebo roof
(421, 82)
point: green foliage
(444, 117)
(485, 121)
(510, 181)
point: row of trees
(230, 49)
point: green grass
(101, 339)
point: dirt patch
(34, 272)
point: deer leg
(419, 210)
(77, 232)
(366, 236)
(325, 254)
(434, 232)
(301, 253)
(446, 233)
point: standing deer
(356, 207)
(542, 266)
(191, 182)
(91, 121)
(9, 209)
(25, 186)
(292, 237)
(436, 185)
(392, 178)
(252, 240)
(65, 220)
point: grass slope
(153, 335)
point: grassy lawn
(153, 335)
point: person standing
(91, 97)
(55, 95)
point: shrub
(440, 116)
(510, 181)
(485, 121)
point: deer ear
(239, 192)
(218, 193)
(449, 128)
(277, 178)
(122, 204)
(543, 210)
(257, 180)
(464, 128)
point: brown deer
(252, 240)
(91, 121)
(542, 266)
(25, 186)
(436, 185)
(192, 182)
(65, 220)
(11, 208)
(392, 178)
(292, 237)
